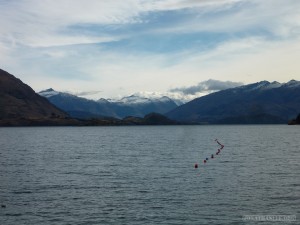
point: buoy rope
(212, 155)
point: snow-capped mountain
(266, 85)
(138, 99)
(103, 101)
(292, 84)
(76, 106)
(48, 93)
(261, 102)
(133, 99)
(133, 105)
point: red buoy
(196, 165)
(204, 161)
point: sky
(181, 48)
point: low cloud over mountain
(207, 86)
(258, 103)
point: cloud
(51, 23)
(185, 94)
(207, 86)
(64, 40)
(46, 23)
(185, 4)
(240, 18)
(84, 93)
(148, 45)
(72, 22)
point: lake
(146, 175)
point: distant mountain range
(128, 106)
(21, 106)
(258, 103)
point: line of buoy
(212, 155)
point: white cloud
(59, 40)
(207, 87)
(119, 74)
(263, 60)
(184, 4)
(36, 43)
(43, 23)
(279, 18)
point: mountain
(20, 105)
(262, 103)
(78, 107)
(139, 106)
(128, 106)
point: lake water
(146, 175)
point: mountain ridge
(275, 103)
(19, 104)
(132, 105)
(261, 102)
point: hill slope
(19, 104)
(261, 102)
